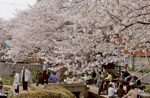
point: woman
(116, 85)
(134, 78)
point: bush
(61, 89)
(112, 71)
(147, 71)
(42, 94)
(147, 90)
(58, 92)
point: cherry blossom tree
(4, 28)
(55, 28)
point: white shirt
(113, 84)
(111, 91)
(16, 79)
(27, 74)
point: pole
(147, 59)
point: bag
(16, 86)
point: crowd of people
(115, 86)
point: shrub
(61, 89)
(33, 73)
(147, 71)
(112, 71)
(147, 90)
(42, 94)
(49, 92)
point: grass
(32, 88)
(6, 88)
(7, 80)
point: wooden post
(147, 59)
(119, 70)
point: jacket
(27, 74)
(16, 79)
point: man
(45, 72)
(126, 63)
(25, 77)
(52, 78)
(16, 82)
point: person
(83, 79)
(111, 91)
(132, 93)
(45, 72)
(97, 77)
(116, 77)
(134, 78)
(116, 85)
(101, 78)
(16, 82)
(1, 81)
(126, 63)
(120, 91)
(93, 74)
(75, 78)
(37, 78)
(126, 87)
(25, 77)
(103, 88)
(109, 76)
(112, 83)
(52, 78)
(2, 93)
(126, 76)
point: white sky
(7, 10)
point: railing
(142, 76)
(133, 73)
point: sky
(8, 7)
